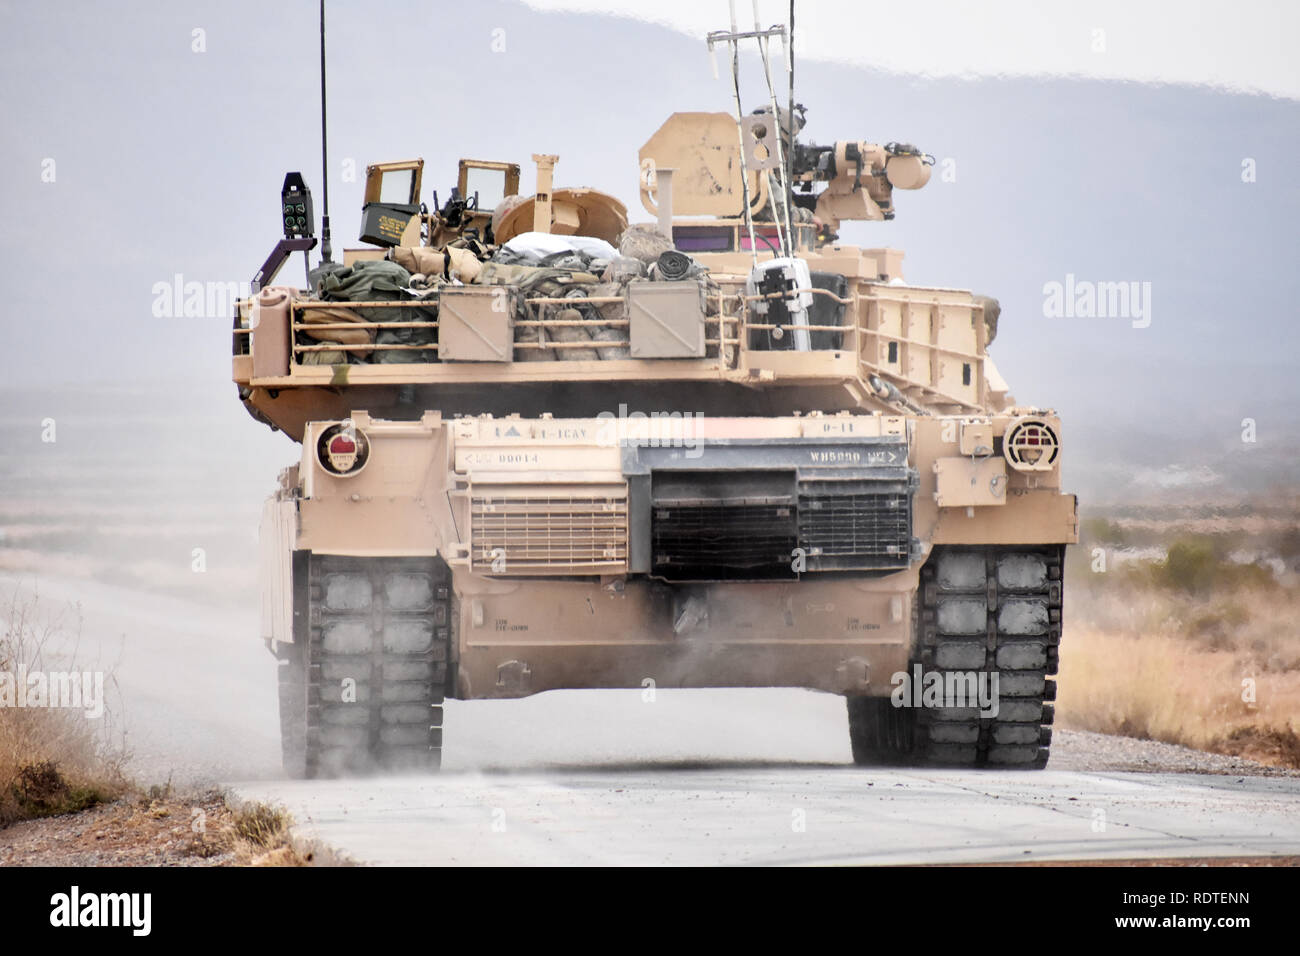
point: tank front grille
(722, 524)
(721, 540)
(855, 530)
(555, 534)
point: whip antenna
(326, 252)
(789, 159)
(785, 239)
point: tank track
(989, 610)
(364, 691)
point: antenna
(789, 160)
(744, 172)
(786, 238)
(783, 163)
(326, 251)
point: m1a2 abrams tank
(544, 449)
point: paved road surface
(756, 777)
(653, 813)
(734, 776)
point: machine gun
(704, 152)
(860, 178)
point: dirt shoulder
(196, 829)
(1089, 752)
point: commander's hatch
(391, 214)
(481, 185)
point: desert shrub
(1190, 566)
(261, 824)
(52, 760)
(1102, 531)
(1197, 566)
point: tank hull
(564, 569)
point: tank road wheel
(879, 732)
(992, 610)
(377, 665)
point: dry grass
(1160, 688)
(261, 833)
(1148, 654)
(254, 834)
(52, 760)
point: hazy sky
(1247, 46)
(145, 140)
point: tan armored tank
(544, 449)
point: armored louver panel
(856, 526)
(533, 533)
